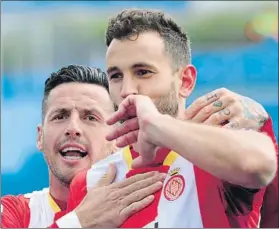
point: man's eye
(60, 117)
(143, 72)
(91, 118)
(116, 76)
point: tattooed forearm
(253, 111)
(262, 120)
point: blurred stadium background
(235, 45)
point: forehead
(79, 95)
(147, 47)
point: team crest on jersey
(174, 171)
(174, 186)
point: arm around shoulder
(242, 157)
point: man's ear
(40, 137)
(188, 76)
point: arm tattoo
(262, 121)
(253, 111)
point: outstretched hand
(136, 113)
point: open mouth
(73, 153)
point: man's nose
(129, 87)
(73, 130)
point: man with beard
(216, 177)
(75, 106)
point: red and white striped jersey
(34, 210)
(190, 197)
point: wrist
(83, 219)
(154, 128)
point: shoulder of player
(15, 209)
(267, 128)
(13, 199)
(42, 192)
(14, 203)
(23, 198)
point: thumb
(138, 162)
(145, 159)
(108, 177)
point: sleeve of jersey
(269, 211)
(268, 129)
(15, 212)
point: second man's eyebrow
(112, 69)
(136, 65)
(60, 110)
(142, 65)
(92, 110)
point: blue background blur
(234, 45)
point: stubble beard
(166, 104)
(66, 177)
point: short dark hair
(73, 73)
(136, 21)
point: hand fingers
(233, 124)
(140, 161)
(141, 185)
(147, 154)
(126, 127)
(212, 108)
(143, 160)
(109, 176)
(117, 116)
(127, 139)
(142, 193)
(221, 116)
(136, 207)
(203, 101)
(125, 110)
(135, 179)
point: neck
(57, 189)
(181, 111)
